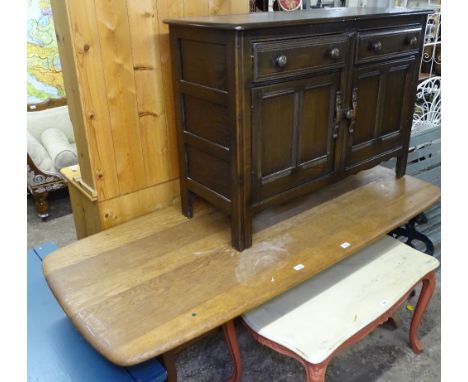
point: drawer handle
(334, 53)
(376, 46)
(281, 61)
(412, 42)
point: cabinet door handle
(412, 42)
(281, 61)
(334, 53)
(338, 114)
(351, 113)
(376, 46)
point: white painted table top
(316, 317)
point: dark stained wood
(302, 56)
(267, 114)
(382, 45)
(313, 16)
(382, 109)
(197, 57)
(47, 104)
(149, 285)
(202, 166)
(292, 129)
(207, 120)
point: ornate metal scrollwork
(427, 110)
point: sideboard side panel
(202, 94)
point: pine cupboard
(272, 106)
(117, 73)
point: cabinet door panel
(366, 117)
(277, 131)
(393, 103)
(382, 113)
(292, 129)
(314, 140)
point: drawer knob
(281, 61)
(376, 46)
(413, 42)
(334, 53)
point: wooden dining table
(145, 287)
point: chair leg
(42, 207)
(424, 298)
(231, 339)
(316, 373)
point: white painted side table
(342, 304)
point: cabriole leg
(316, 373)
(424, 298)
(231, 339)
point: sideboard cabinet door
(293, 133)
(379, 111)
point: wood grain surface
(92, 216)
(117, 72)
(149, 285)
(246, 21)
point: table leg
(231, 339)
(316, 373)
(412, 234)
(424, 298)
(168, 359)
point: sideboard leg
(231, 339)
(241, 230)
(424, 298)
(186, 201)
(168, 359)
(400, 168)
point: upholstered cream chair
(51, 146)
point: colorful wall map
(44, 70)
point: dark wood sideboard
(271, 106)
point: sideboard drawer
(283, 58)
(380, 45)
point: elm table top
(149, 285)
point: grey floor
(384, 355)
